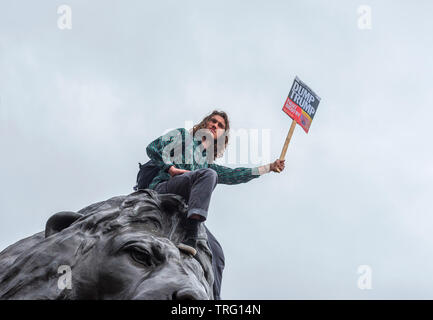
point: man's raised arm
(228, 175)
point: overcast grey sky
(79, 106)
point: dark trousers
(196, 188)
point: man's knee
(208, 173)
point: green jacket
(166, 151)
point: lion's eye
(141, 256)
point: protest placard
(301, 104)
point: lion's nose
(189, 294)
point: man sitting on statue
(192, 173)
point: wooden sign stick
(286, 143)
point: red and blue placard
(301, 104)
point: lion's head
(122, 248)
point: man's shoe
(188, 246)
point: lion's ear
(59, 221)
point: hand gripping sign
(301, 105)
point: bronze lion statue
(121, 248)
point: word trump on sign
(301, 104)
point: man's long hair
(221, 144)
